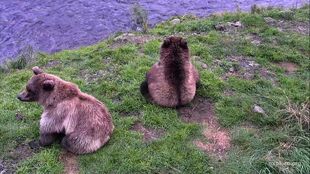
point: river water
(54, 25)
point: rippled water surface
(54, 25)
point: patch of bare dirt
(200, 110)
(289, 67)
(218, 143)
(268, 75)
(10, 163)
(130, 113)
(130, 38)
(148, 133)
(245, 68)
(70, 162)
(218, 139)
(290, 26)
(254, 39)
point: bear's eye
(29, 90)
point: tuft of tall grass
(256, 9)
(140, 17)
(298, 113)
(290, 157)
(26, 57)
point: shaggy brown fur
(172, 81)
(83, 120)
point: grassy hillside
(254, 70)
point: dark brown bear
(83, 120)
(172, 81)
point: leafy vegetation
(140, 17)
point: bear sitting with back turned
(85, 122)
(172, 81)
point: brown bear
(83, 121)
(172, 81)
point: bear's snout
(19, 97)
(23, 96)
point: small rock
(232, 69)
(258, 109)
(139, 29)
(204, 66)
(256, 42)
(253, 64)
(236, 24)
(217, 62)
(19, 116)
(175, 21)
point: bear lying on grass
(82, 120)
(172, 80)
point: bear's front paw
(46, 139)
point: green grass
(114, 75)
(47, 161)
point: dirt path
(18, 154)
(217, 141)
(149, 134)
(70, 161)
(289, 67)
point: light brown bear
(84, 122)
(171, 82)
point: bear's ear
(166, 42)
(36, 70)
(183, 43)
(48, 85)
